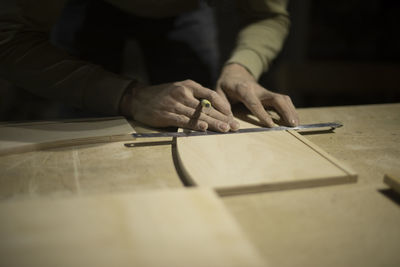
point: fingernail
(224, 127)
(293, 122)
(234, 125)
(203, 126)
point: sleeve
(29, 60)
(261, 38)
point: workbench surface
(342, 225)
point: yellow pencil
(205, 103)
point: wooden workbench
(343, 225)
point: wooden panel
(250, 162)
(345, 225)
(23, 137)
(393, 182)
(160, 228)
(96, 168)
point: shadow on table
(391, 194)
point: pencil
(205, 103)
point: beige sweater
(29, 60)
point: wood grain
(345, 225)
(252, 162)
(23, 137)
(184, 227)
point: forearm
(30, 61)
(262, 38)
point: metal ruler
(315, 126)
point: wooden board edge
(290, 185)
(47, 122)
(66, 143)
(392, 181)
(185, 176)
(349, 171)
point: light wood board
(183, 227)
(23, 137)
(393, 182)
(251, 162)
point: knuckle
(180, 120)
(277, 98)
(244, 94)
(168, 103)
(189, 82)
(179, 91)
(253, 104)
(213, 95)
(244, 88)
(245, 85)
(174, 109)
(180, 83)
(281, 96)
(284, 98)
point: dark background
(344, 52)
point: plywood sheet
(250, 162)
(159, 228)
(23, 137)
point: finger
(194, 103)
(222, 93)
(216, 100)
(296, 115)
(255, 106)
(182, 121)
(233, 123)
(286, 110)
(213, 123)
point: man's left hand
(237, 84)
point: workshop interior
(315, 184)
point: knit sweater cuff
(248, 59)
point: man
(29, 60)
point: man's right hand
(178, 104)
